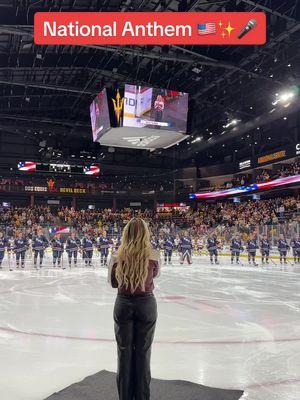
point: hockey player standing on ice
(57, 250)
(212, 247)
(168, 246)
(72, 246)
(176, 244)
(283, 247)
(236, 248)
(4, 245)
(39, 245)
(199, 244)
(115, 243)
(185, 248)
(251, 249)
(265, 249)
(20, 246)
(87, 248)
(154, 242)
(103, 244)
(295, 245)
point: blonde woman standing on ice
(132, 271)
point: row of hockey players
(19, 245)
(169, 243)
(264, 245)
(185, 245)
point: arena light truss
(290, 180)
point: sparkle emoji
(229, 29)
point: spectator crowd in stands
(245, 217)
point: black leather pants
(135, 319)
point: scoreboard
(59, 168)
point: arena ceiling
(45, 91)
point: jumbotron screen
(147, 107)
(99, 113)
(139, 117)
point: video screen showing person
(155, 108)
(99, 113)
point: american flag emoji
(208, 28)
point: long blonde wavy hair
(133, 255)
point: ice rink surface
(223, 326)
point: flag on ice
(28, 166)
(208, 28)
(59, 229)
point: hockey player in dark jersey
(118, 244)
(103, 247)
(283, 248)
(72, 246)
(265, 249)
(88, 249)
(155, 242)
(168, 246)
(185, 248)
(39, 244)
(236, 248)
(295, 245)
(4, 245)
(212, 248)
(251, 249)
(176, 244)
(20, 246)
(57, 250)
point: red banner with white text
(150, 28)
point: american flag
(289, 180)
(93, 170)
(28, 166)
(208, 28)
(59, 229)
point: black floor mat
(102, 386)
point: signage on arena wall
(53, 202)
(135, 204)
(245, 164)
(290, 180)
(150, 28)
(36, 189)
(32, 166)
(72, 190)
(60, 190)
(279, 154)
(164, 206)
(271, 157)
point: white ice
(221, 326)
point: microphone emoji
(251, 24)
